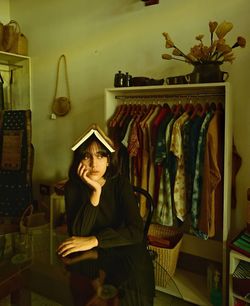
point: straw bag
(167, 257)
(14, 41)
(36, 225)
(61, 105)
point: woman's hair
(81, 151)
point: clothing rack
(174, 98)
(12, 67)
(170, 96)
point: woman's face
(96, 162)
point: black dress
(116, 221)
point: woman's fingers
(68, 249)
(80, 170)
(74, 244)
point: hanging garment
(151, 170)
(197, 184)
(164, 209)
(190, 133)
(211, 206)
(160, 150)
(179, 185)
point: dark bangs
(83, 149)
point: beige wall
(4, 11)
(101, 37)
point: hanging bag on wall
(61, 105)
(14, 41)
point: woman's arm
(130, 229)
(82, 217)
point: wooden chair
(143, 196)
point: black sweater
(116, 221)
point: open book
(95, 130)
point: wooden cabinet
(191, 285)
(16, 73)
(235, 259)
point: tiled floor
(161, 299)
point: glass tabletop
(122, 276)
(125, 276)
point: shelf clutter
(242, 243)
(239, 290)
(241, 279)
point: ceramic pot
(207, 73)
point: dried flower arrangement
(218, 51)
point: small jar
(127, 80)
(119, 79)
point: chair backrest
(146, 205)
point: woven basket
(166, 261)
(35, 225)
(13, 40)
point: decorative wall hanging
(61, 105)
(16, 166)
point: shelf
(11, 58)
(189, 286)
(209, 249)
(168, 90)
(192, 286)
(16, 72)
(235, 258)
(241, 298)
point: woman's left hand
(77, 244)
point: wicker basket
(35, 225)
(166, 261)
(13, 40)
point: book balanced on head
(95, 130)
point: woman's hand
(96, 187)
(77, 244)
(82, 171)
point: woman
(101, 207)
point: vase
(207, 73)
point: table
(122, 273)
(57, 206)
(14, 282)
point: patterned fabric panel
(16, 162)
(14, 199)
